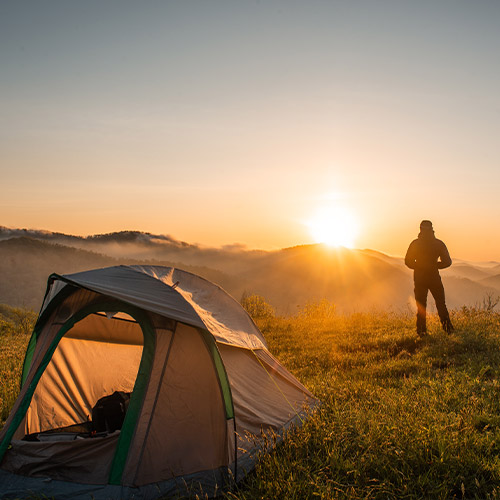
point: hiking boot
(447, 326)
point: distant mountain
(466, 271)
(463, 291)
(395, 261)
(144, 246)
(26, 264)
(7, 233)
(108, 242)
(355, 280)
(492, 281)
(352, 279)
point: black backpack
(109, 412)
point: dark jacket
(426, 255)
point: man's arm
(410, 256)
(444, 257)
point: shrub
(6, 327)
(16, 320)
(257, 307)
(323, 309)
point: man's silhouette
(426, 255)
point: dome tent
(200, 381)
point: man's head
(426, 225)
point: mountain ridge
(289, 278)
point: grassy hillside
(401, 417)
(16, 326)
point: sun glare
(334, 227)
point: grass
(401, 417)
(15, 329)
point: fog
(355, 280)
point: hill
(355, 280)
(400, 416)
(144, 246)
(492, 281)
(26, 264)
(468, 271)
(352, 279)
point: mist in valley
(288, 279)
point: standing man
(426, 255)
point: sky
(253, 122)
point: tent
(202, 389)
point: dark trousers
(430, 283)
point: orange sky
(220, 123)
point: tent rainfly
(142, 382)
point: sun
(334, 226)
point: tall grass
(16, 325)
(401, 417)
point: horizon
(264, 124)
(242, 247)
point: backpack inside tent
(142, 382)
